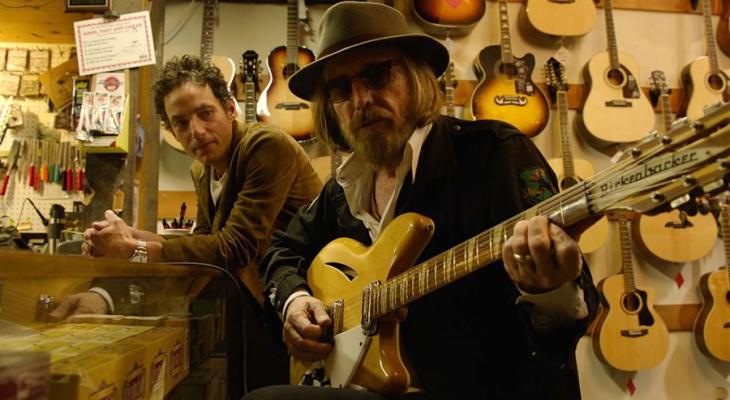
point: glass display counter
(162, 322)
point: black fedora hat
(348, 25)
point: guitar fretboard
(505, 40)
(292, 32)
(611, 35)
(206, 40)
(627, 265)
(725, 230)
(567, 152)
(709, 37)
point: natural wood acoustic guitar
(561, 17)
(672, 236)
(363, 286)
(447, 16)
(629, 335)
(225, 64)
(505, 90)
(712, 326)
(615, 110)
(277, 105)
(704, 82)
(570, 170)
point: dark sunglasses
(374, 76)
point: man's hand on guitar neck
(540, 256)
(305, 323)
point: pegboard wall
(38, 118)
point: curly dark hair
(188, 68)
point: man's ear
(232, 108)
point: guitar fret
(505, 40)
(206, 40)
(611, 34)
(709, 37)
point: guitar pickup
(631, 333)
(292, 105)
(619, 103)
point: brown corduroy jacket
(269, 177)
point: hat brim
(303, 82)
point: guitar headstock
(250, 66)
(555, 78)
(659, 82)
(449, 78)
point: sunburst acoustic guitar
(615, 110)
(447, 16)
(363, 286)
(570, 170)
(505, 90)
(629, 335)
(704, 82)
(277, 105)
(712, 326)
(672, 236)
(561, 17)
(225, 64)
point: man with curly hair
(249, 178)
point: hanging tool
(12, 164)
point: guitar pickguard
(631, 89)
(645, 317)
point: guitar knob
(657, 197)
(688, 180)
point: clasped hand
(111, 238)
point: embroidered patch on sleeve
(535, 185)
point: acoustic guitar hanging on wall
(448, 17)
(277, 105)
(225, 64)
(505, 90)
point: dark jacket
(468, 339)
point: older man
(508, 330)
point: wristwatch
(140, 252)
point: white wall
(658, 41)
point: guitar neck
(611, 35)
(292, 32)
(725, 229)
(250, 108)
(666, 111)
(709, 38)
(565, 149)
(604, 191)
(449, 101)
(505, 40)
(627, 265)
(206, 40)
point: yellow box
(89, 376)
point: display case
(167, 321)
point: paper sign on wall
(105, 45)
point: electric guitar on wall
(705, 83)
(615, 110)
(250, 79)
(629, 335)
(448, 16)
(225, 64)
(363, 286)
(505, 90)
(277, 105)
(561, 17)
(712, 326)
(570, 171)
(673, 236)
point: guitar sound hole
(716, 82)
(289, 70)
(567, 182)
(631, 302)
(508, 69)
(616, 77)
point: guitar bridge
(335, 312)
(368, 323)
(632, 333)
(619, 103)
